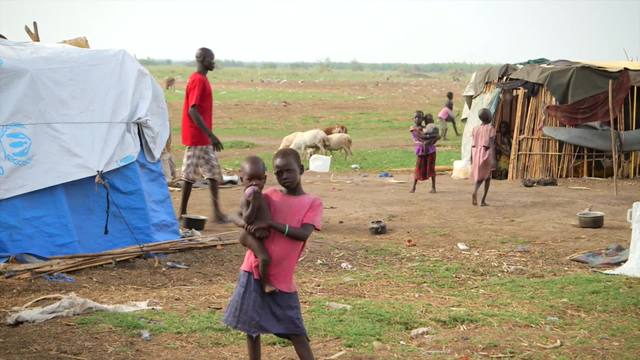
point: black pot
(377, 227)
(195, 222)
(591, 219)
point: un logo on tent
(15, 145)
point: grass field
(367, 102)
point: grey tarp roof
(568, 81)
(489, 74)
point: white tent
(485, 100)
(67, 112)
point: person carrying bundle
(446, 115)
(425, 139)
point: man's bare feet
(222, 219)
(474, 199)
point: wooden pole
(633, 127)
(515, 141)
(35, 30)
(614, 150)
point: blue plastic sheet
(69, 218)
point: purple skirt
(254, 312)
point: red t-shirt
(284, 251)
(198, 93)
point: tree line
(328, 65)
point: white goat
(314, 140)
(340, 142)
(288, 140)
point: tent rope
(102, 180)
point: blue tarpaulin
(70, 218)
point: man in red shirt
(201, 144)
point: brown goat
(170, 83)
(336, 129)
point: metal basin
(195, 222)
(590, 219)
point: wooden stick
(585, 171)
(515, 141)
(30, 33)
(53, 296)
(35, 30)
(25, 271)
(540, 153)
(537, 137)
(633, 122)
(523, 173)
(191, 241)
(614, 149)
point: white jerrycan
(320, 163)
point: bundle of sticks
(536, 156)
(70, 263)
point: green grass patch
(382, 251)
(436, 273)
(367, 321)
(369, 160)
(512, 240)
(588, 292)
(387, 159)
(204, 323)
(455, 319)
(239, 144)
(257, 95)
(270, 95)
(182, 73)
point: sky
(373, 31)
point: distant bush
(456, 70)
(149, 61)
(356, 66)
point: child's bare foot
(412, 190)
(484, 204)
(221, 219)
(474, 199)
(268, 288)
(433, 191)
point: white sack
(71, 305)
(632, 266)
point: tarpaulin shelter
(81, 133)
(556, 117)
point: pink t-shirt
(284, 251)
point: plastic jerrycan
(320, 163)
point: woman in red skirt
(425, 139)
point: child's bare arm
(237, 218)
(301, 234)
(254, 202)
(237, 221)
(297, 233)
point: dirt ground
(542, 217)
